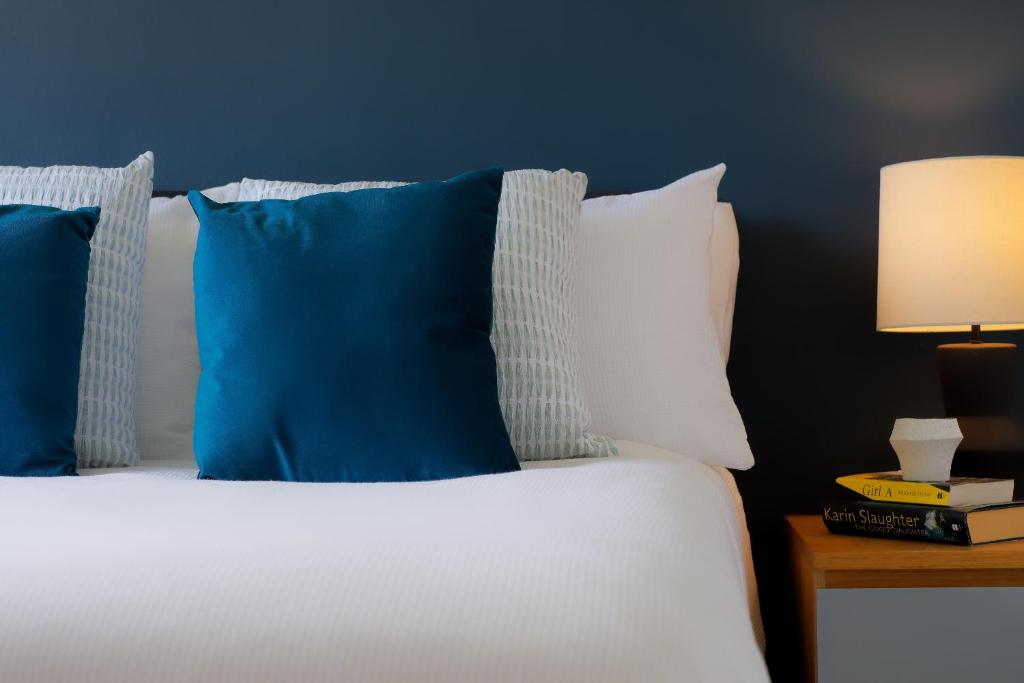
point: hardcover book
(889, 487)
(967, 525)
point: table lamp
(951, 259)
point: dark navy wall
(803, 100)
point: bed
(633, 568)
(629, 568)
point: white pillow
(652, 363)
(724, 260)
(105, 429)
(168, 356)
(534, 333)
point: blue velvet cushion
(44, 269)
(345, 336)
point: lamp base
(977, 389)
(977, 378)
(997, 465)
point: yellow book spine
(915, 492)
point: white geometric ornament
(925, 447)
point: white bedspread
(622, 569)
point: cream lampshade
(951, 245)
(951, 258)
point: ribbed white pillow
(168, 356)
(652, 364)
(105, 430)
(534, 333)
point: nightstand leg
(806, 584)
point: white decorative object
(925, 447)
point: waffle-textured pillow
(105, 430)
(44, 264)
(534, 333)
(345, 336)
(652, 356)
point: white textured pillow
(652, 364)
(534, 334)
(168, 357)
(105, 430)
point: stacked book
(961, 511)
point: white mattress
(626, 568)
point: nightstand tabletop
(839, 561)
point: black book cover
(896, 520)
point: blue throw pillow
(345, 336)
(44, 269)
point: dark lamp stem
(975, 334)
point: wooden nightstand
(879, 610)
